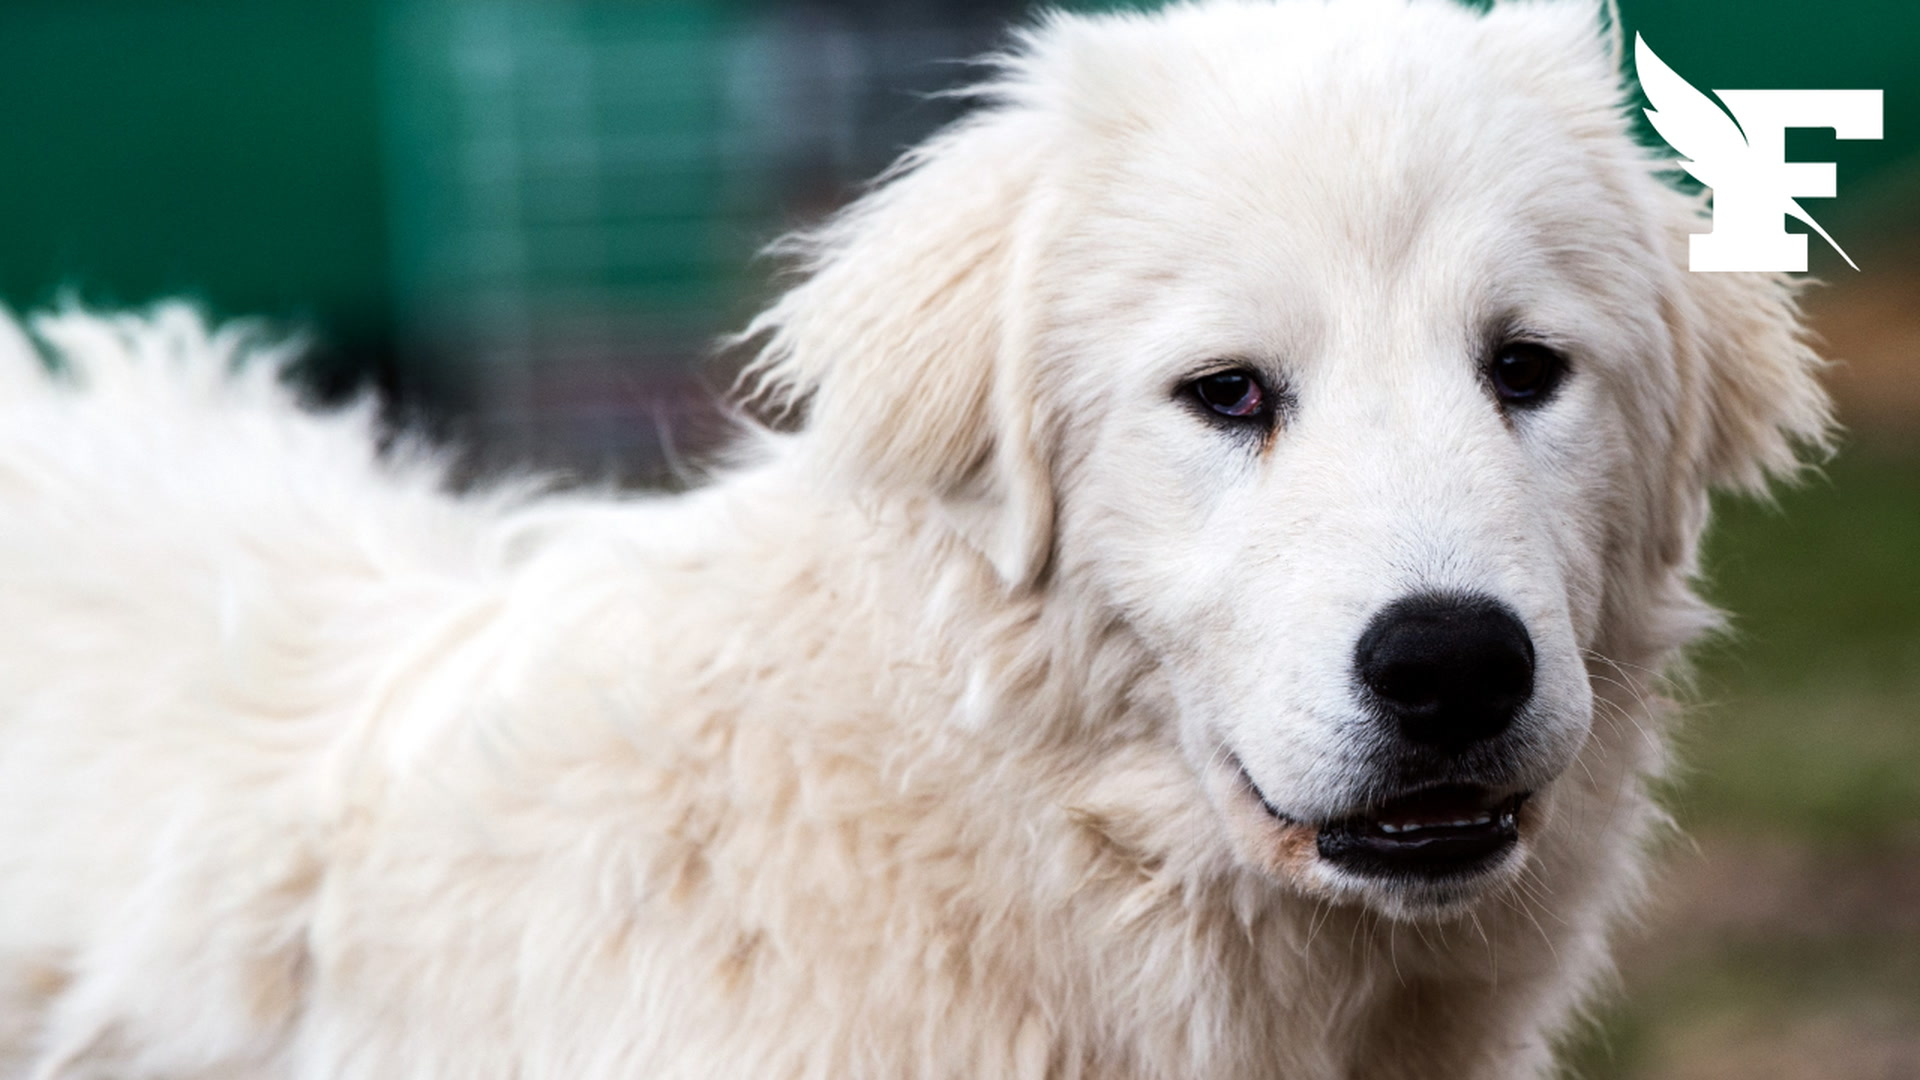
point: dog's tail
(24, 369)
(168, 353)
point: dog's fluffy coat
(863, 760)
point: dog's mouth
(1431, 833)
(1435, 832)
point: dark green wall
(223, 148)
(232, 148)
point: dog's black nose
(1450, 670)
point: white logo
(1743, 158)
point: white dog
(1205, 627)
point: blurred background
(523, 221)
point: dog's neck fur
(1046, 704)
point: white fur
(902, 749)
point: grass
(1792, 945)
(1811, 722)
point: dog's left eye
(1524, 374)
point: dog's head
(1348, 353)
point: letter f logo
(1743, 158)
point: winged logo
(1712, 146)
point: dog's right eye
(1236, 394)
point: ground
(1785, 938)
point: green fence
(545, 187)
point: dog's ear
(907, 341)
(1752, 400)
(1749, 401)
